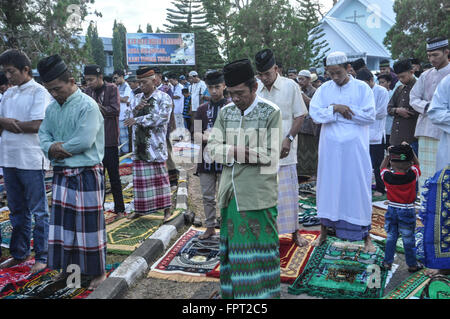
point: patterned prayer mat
(125, 235)
(41, 286)
(293, 259)
(15, 274)
(125, 169)
(6, 229)
(4, 214)
(340, 269)
(189, 259)
(413, 286)
(377, 227)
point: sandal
(313, 221)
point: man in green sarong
(246, 138)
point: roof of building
(386, 13)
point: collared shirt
(259, 128)
(196, 90)
(124, 91)
(286, 94)
(421, 95)
(402, 128)
(78, 123)
(24, 103)
(439, 114)
(108, 96)
(149, 132)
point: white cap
(193, 73)
(336, 58)
(304, 73)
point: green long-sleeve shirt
(254, 184)
(78, 123)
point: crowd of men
(339, 129)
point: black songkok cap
(214, 77)
(264, 60)
(358, 64)
(51, 68)
(3, 78)
(384, 63)
(414, 61)
(238, 72)
(92, 69)
(156, 69)
(402, 66)
(364, 75)
(144, 72)
(401, 153)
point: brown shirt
(402, 128)
(108, 96)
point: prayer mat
(4, 214)
(15, 274)
(377, 226)
(293, 259)
(413, 286)
(189, 259)
(6, 229)
(40, 286)
(340, 269)
(110, 217)
(125, 169)
(124, 235)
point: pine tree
(119, 46)
(139, 30)
(95, 46)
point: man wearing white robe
(439, 114)
(346, 108)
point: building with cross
(358, 28)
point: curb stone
(139, 262)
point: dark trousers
(376, 156)
(111, 164)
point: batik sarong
(249, 253)
(436, 220)
(428, 148)
(151, 187)
(287, 207)
(77, 224)
(307, 154)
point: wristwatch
(290, 137)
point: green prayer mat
(413, 286)
(340, 269)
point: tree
(149, 28)
(45, 27)
(140, 30)
(415, 22)
(119, 46)
(219, 15)
(95, 46)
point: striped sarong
(151, 187)
(249, 253)
(287, 207)
(428, 148)
(77, 224)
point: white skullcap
(304, 73)
(193, 73)
(336, 58)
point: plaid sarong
(428, 148)
(287, 207)
(77, 225)
(151, 187)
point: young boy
(400, 218)
(187, 108)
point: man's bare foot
(299, 240)
(13, 262)
(210, 231)
(319, 241)
(37, 267)
(368, 246)
(61, 276)
(96, 281)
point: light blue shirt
(79, 124)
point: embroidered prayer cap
(437, 43)
(264, 60)
(336, 58)
(238, 72)
(51, 67)
(364, 75)
(193, 73)
(144, 72)
(385, 64)
(358, 64)
(214, 77)
(3, 78)
(92, 69)
(402, 66)
(305, 73)
(401, 153)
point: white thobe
(344, 170)
(377, 130)
(439, 114)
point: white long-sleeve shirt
(377, 129)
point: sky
(133, 13)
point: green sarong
(249, 253)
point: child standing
(400, 218)
(187, 108)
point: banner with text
(160, 48)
